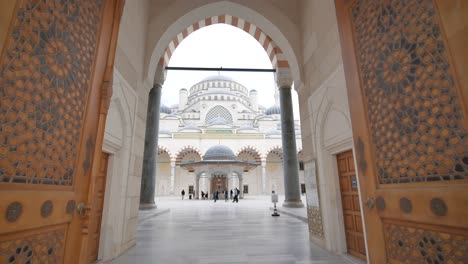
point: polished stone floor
(201, 231)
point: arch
(273, 51)
(163, 150)
(247, 151)
(218, 112)
(188, 152)
(276, 150)
(275, 43)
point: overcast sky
(224, 46)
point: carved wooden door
(406, 68)
(351, 207)
(55, 69)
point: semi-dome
(274, 110)
(218, 78)
(165, 109)
(218, 121)
(219, 152)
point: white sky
(224, 46)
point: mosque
(218, 115)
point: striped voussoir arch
(275, 54)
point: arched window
(218, 112)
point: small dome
(165, 109)
(274, 110)
(253, 91)
(218, 78)
(183, 90)
(219, 152)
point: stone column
(197, 186)
(264, 176)
(290, 165)
(241, 188)
(173, 166)
(148, 177)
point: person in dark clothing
(236, 195)
(203, 195)
(225, 195)
(182, 193)
(230, 197)
(215, 196)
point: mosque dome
(218, 78)
(165, 109)
(219, 152)
(274, 110)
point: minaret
(183, 95)
(253, 100)
(277, 100)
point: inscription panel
(45, 72)
(417, 126)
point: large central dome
(218, 78)
(219, 152)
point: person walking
(182, 193)
(225, 195)
(231, 194)
(236, 195)
(215, 196)
(203, 195)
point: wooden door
(406, 68)
(55, 71)
(98, 203)
(351, 207)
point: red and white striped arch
(277, 58)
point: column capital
(283, 78)
(159, 77)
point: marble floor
(201, 231)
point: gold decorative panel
(44, 247)
(413, 107)
(45, 76)
(315, 221)
(416, 245)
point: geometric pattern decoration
(39, 248)
(416, 245)
(413, 107)
(45, 76)
(314, 217)
(218, 113)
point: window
(246, 189)
(190, 189)
(301, 165)
(218, 112)
(303, 188)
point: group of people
(234, 195)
